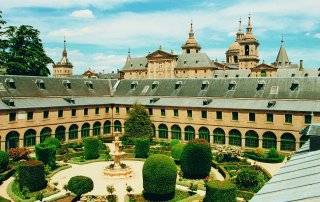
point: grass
(2, 199)
(179, 195)
(82, 160)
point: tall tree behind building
(3, 43)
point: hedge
(247, 178)
(246, 195)
(176, 151)
(31, 175)
(141, 148)
(4, 161)
(52, 141)
(221, 191)
(91, 148)
(46, 154)
(80, 185)
(252, 155)
(159, 178)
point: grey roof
(282, 57)
(293, 71)
(194, 60)
(135, 63)
(232, 73)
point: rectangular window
(235, 116)
(117, 110)
(252, 117)
(219, 115)
(60, 113)
(46, 114)
(97, 110)
(175, 112)
(29, 115)
(127, 110)
(107, 110)
(12, 116)
(288, 118)
(307, 119)
(163, 112)
(85, 111)
(269, 117)
(150, 111)
(189, 113)
(73, 112)
(204, 114)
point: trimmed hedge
(91, 148)
(247, 178)
(46, 154)
(176, 151)
(159, 178)
(141, 148)
(174, 142)
(80, 185)
(196, 160)
(31, 175)
(4, 161)
(252, 155)
(222, 191)
(52, 141)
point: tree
(80, 185)
(138, 123)
(3, 42)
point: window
(117, 110)
(73, 112)
(85, 111)
(12, 116)
(246, 50)
(163, 112)
(235, 116)
(60, 113)
(269, 117)
(288, 118)
(219, 115)
(150, 111)
(46, 114)
(252, 117)
(127, 109)
(97, 110)
(29, 115)
(107, 109)
(189, 113)
(307, 119)
(204, 114)
(175, 112)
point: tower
(64, 67)
(232, 54)
(249, 54)
(191, 45)
(282, 57)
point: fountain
(117, 169)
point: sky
(100, 32)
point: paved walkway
(3, 188)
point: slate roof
(135, 63)
(194, 60)
(282, 57)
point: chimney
(301, 65)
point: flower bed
(270, 156)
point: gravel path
(3, 188)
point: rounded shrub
(91, 148)
(159, 178)
(196, 159)
(222, 191)
(176, 151)
(174, 142)
(247, 178)
(46, 154)
(80, 185)
(52, 141)
(141, 147)
(4, 161)
(31, 175)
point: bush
(46, 154)
(91, 148)
(20, 153)
(263, 158)
(4, 161)
(80, 185)
(176, 151)
(141, 148)
(52, 141)
(196, 159)
(159, 177)
(31, 175)
(174, 142)
(248, 179)
(222, 191)
(272, 153)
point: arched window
(176, 132)
(117, 126)
(235, 59)
(29, 138)
(252, 139)
(235, 137)
(73, 132)
(12, 140)
(44, 133)
(288, 142)
(163, 131)
(263, 73)
(61, 133)
(219, 136)
(85, 130)
(107, 127)
(204, 133)
(269, 140)
(189, 133)
(96, 128)
(246, 50)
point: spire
(129, 53)
(282, 57)
(191, 45)
(191, 33)
(249, 27)
(64, 53)
(240, 26)
(239, 33)
(282, 41)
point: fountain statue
(117, 169)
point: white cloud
(86, 13)
(317, 35)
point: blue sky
(99, 32)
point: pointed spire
(282, 41)
(160, 47)
(249, 27)
(240, 26)
(239, 34)
(64, 53)
(191, 33)
(282, 57)
(129, 53)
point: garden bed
(179, 195)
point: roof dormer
(133, 85)
(178, 85)
(40, 84)
(232, 85)
(205, 85)
(66, 84)
(89, 84)
(155, 84)
(261, 85)
(294, 85)
(11, 84)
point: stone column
(297, 146)
(278, 145)
(243, 142)
(3, 145)
(211, 139)
(260, 143)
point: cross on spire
(240, 27)
(282, 41)
(64, 53)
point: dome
(249, 36)
(235, 46)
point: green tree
(138, 123)
(80, 185)
(3, 42)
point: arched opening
(269, 140)
(303, 139)
(235, 137)
(176, 132)
(73, 132)
(44, 133)
(204, 133)
(29, 139)
(61, 133)
(252, 139)
(263, 73)
(12, 140)
(96, 128)
(85, 130)
(153, 130)
(189, 133)
(219, 136)
(288, 142)
(246, 50)
(235, 59)
(107, 127)
(163, 131)
(117, 126)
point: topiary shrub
(31, 175)
(248, 179)
(91, 148)
(52, 141)
(176, 151)
(141, 148)
(4, 161)
(222, 191)
(46, 154)
(80, 185)
(159, 178)
(272, 153)
(174, 142)
(196, 159)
